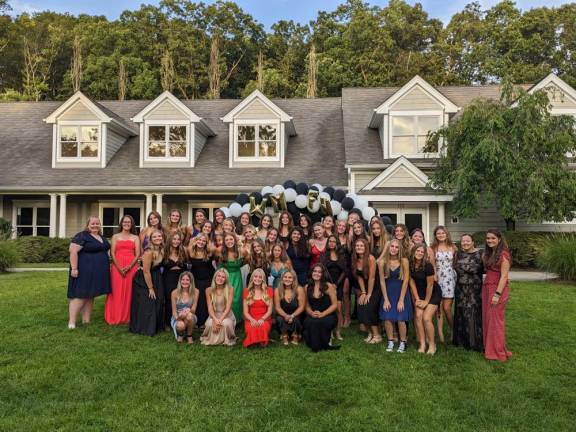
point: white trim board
(407, 198)
(392, 169)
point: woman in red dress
(495, 292)
(258, 303)
(125, 251)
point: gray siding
(166, 111)
(256, 111)
(363, 178)
(199, 142)
(113, 143)
(416, 99)
(78, 111)
(400, 178)
(487, 218)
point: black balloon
(390, 228)
(268, 200)
(255, 220)
(347, 203)
(242, 199)
(386, 220)
(339, 195)
(292, 208)
(289, 184)
(257, 196)
(302, 188)
(316, 217)
(357, 211)
(314, 188)
(330, 191)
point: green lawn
(103, 378)
(43, 265)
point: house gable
(416, 99)
(401, 174)
(562, 96)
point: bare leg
(340, 321)
(180, 328)
(346, 304)
(190, 323)
(402, 330)
(419, 324)
(73, 310)
(428, 318)
(87, 310)
(389, 326)
(375, 332)
(440, 324)
(447, 308)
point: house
(62, 162)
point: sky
(266, 12)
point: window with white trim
(169, 141)
(111, 213)
(410, 132)
(78, 142)
(33, 220)
(257, 141)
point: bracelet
(363, 292)
(496, 293)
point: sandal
(375, 340)
(189, 339)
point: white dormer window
(410, 132)
(79, 142)
(257, 141)
(167, 142)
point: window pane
(177, 133)
(246, 149)
(403, 125)
(393, 217)
(69, 149)
(246, 133)
(422, 144)
(89, 149)
(68, 133)
(108, 231)
(135, 213)
(413, 221)
(178, 149)
(89, 134)
(404, 145)
(157, 149)
(24, 216)
(43, 231)
(267, 148)
(267, 133)
(26, 231)
(110, 216)
(156, 133)
(43, 216)
(428, 123)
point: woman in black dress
(289, 304)
(426, 296)
(468, 296)
(201, 254)
(175, 260)
(147, 309)
(285, 225)
(299, 254)
(89, 271)
(368, 290)
(335, 263)
(305, 223)
(321, 308)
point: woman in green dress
(232, 258)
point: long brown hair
(294, 284)
(378, 243)
(154, 213)
(132, 223)
(435, 243)
(225, 249)
(181, 251)
(414, 266)
(491, 257)
(364, 259)
(260, 261)
(405, 241)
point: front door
(411, 216)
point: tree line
(218, 50)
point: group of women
(296, 277)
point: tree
(312, 87)
(511, 152)
(76, 69)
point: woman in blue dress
(89, 271)
(396, 306)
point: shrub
(43, 249)
(9, 255)
(557, 254)
(5, 229)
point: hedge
(42, 249)
(557, 254)
(9, 255)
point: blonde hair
(294, 284)
(251, 288)
(227, 287)
(194, 247)
(190, 290)
(157, 251)
(386, 258)
(86, 226)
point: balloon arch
(299, 198)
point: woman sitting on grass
(289, 303)
(184, 302)
(257, 307)
(219, 328)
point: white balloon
(324, 195)
(343, 215)
(368, 213)
(301, 201)
(235, 209)
(290, 195)
(267, 190)
(352, 195)
(278, 189)
(319, 186)
(315, 206)
(226, 211)
(246, 208)
(336, 207)
(360, 202)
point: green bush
(43, 249)
(9, 255)
(5, 229)
(557, 254)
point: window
(257, 141)
(33, 221)
(168, 141)
(409, 133)
(79, 141)
(110, 215)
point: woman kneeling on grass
(219, 328)
(184, 301)
(257, 310)
(289, 302)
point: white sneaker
(401, 347)
(390, 346)
(71, 326)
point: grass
(43, 265)
(103, 378)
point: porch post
(148, 204)
(62, 224)
(53, 215)
(441, 214)
(159, 203)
